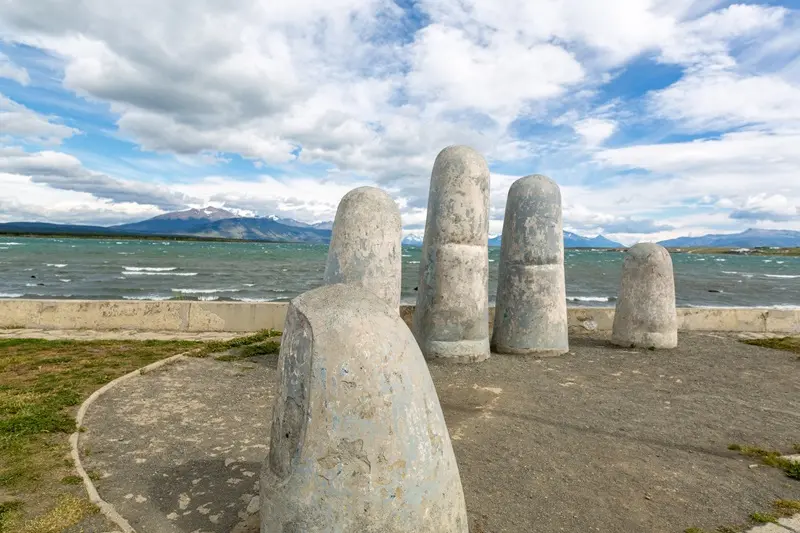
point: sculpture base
(458, 351)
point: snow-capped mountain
(412, 240)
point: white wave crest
(10, 295)
(138, 273)
(56, 265)
(203, 291)
(589, 298)
(150, 269)
(781, 276)
(147, 297)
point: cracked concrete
(600, 439)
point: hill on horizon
(751, 238)
(212, 222)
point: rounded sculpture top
(538, 185)
(648, 252)
(365, 244)
(458, 204)
(532, 229)
(367, 199)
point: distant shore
(134, 237)
(786, 252)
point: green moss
(71, 480)
(787, 507)
(221, 346)
(771, 458)
(789, 344)
(763, 518)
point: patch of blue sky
(639, 77)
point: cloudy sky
(657, 117)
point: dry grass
(41, 384)
(68, 511)
(789, 344)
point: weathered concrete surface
(600, 439)
(242, 317)
(365, 244)
(358, 439)
(645, 315)
(176, 451)
(792, 524)
(141, 315)
(451, 321)
(531, 311)
(121, 334)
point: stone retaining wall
(247, 317)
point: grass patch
(68, 512)
(770, 458)
(787, 507)
(244, 352)
(221, 346)
(8, 512)
(788, 344)
(763, 518)
(41, 384)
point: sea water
(248, 271)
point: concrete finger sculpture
(531, 310)
(359, 442)
(365, 244)
(451, 319)
(645, 316)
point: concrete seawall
(248, 317)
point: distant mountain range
(204, 223)
(213, 222)
(751, 238)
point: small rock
(253, 506)
(753, 466)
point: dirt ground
(601, 439)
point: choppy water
(241, 271)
